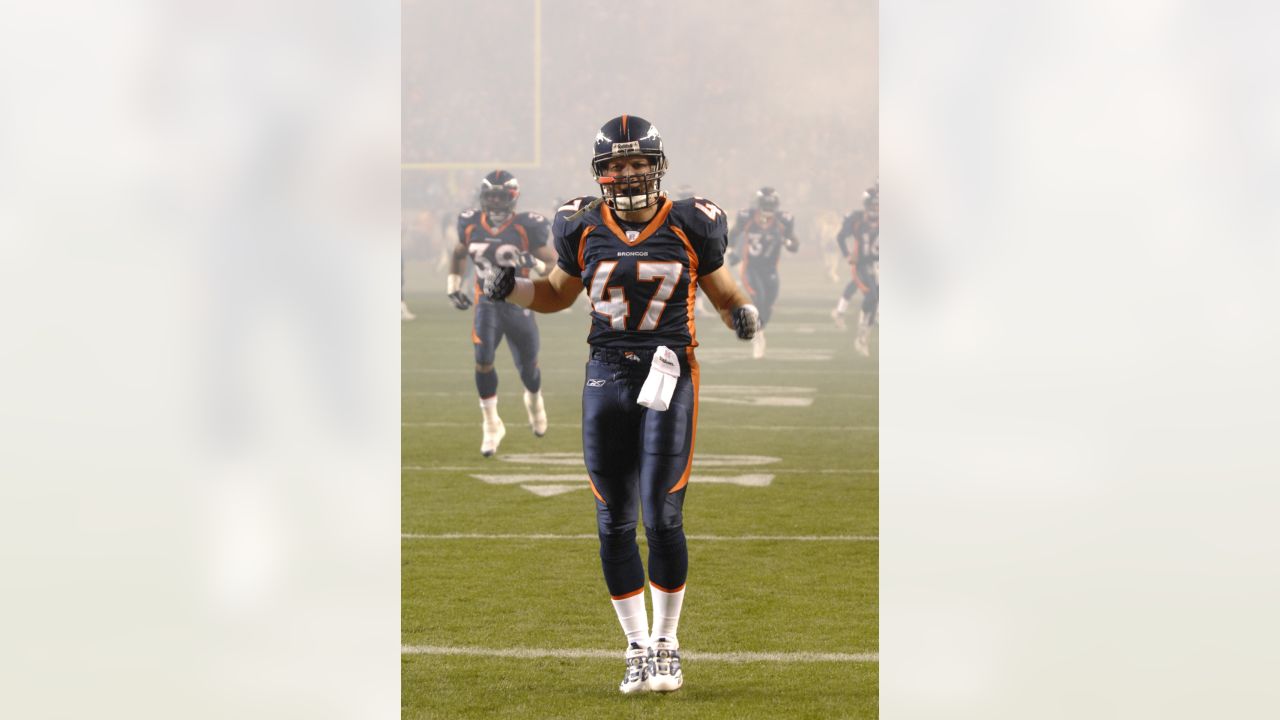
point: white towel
(664, 373)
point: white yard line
(511, 466)
(585, 536)
(687, 655)
(701, 426)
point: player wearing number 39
(641, 256)
(497, 236)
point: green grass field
(504, 609)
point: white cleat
(665, 675)
(861, 346)
(757, 345)
(838, 317)
(493, 435)
(639, 668)
(537, 412)
(404, 311)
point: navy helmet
(624, 136)
(498, 193)
(767, 200)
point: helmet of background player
(767, 200)
(498, 193)
(624, 136)
(871, 201)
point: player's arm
(453, 284)
(789, 240)
(734, 305)
(553, 293)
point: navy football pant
(869, 279)
(763, 285)
(493, 322)
(638, 461)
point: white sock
(489, 406)
(842, 305)
(634, 619)
(666, 612)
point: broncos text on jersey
(491, 246)
(641, 279)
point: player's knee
(484, 367)
(617, 545)
(665, 536)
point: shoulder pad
(563, 226)
(467, 214)
(698, 214)
(530, 218)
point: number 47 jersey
(641, 278)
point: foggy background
(745, 94)
(199, 433)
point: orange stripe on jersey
(693, 284)
(628, 595)
(524, 237)
(582, 247)
(694, 375)
(607, 213)
(656, 586)
(485, 222)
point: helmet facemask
(498, 194)
(632, 192)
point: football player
(495, 236)
(863, 254)
(764, 230)
(640, 256)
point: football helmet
(871, 199)
(624, 136)
(498, 193)
(767, 200)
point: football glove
(526, 260)
(460, 299)
(746, 320)
(500, 284)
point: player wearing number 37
(641, 256)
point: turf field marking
(688, 655)
(558, 486)
(584, 536)
(701, 426)
(575, 458)
(479, 468)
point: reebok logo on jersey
(633, 253)
(595, 383)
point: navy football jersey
(490, 246)
(865, 235)
(763, 236)
(642, 279)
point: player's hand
(746, 321)
(500, 284)
(851, 259)
(460, 300)
(526, 260)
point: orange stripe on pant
(628, 595)
(693, 435)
